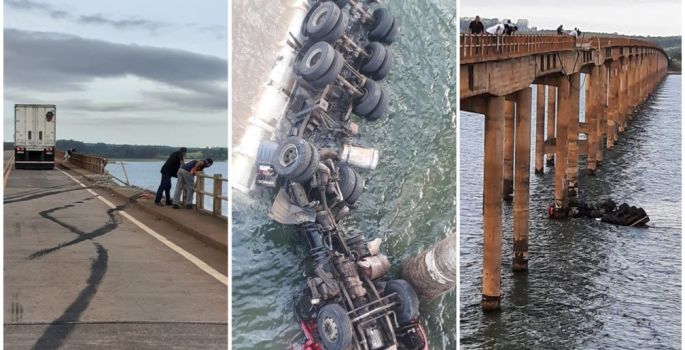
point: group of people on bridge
(175, 166)
(508, 28)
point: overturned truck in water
(315, 169)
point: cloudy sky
(121, 71)
(654, 17)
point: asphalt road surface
(82, 275)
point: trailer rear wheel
(334, 327)
(407, 309)
(322, 19)
(382, 23)
(381, 107)
(311, 168)
(366, 103)
(337, 32)
(374, 61)
(393, 33)
(358, 189)
(317, 61)
(341, 3)
(332, 74)
(384, 69)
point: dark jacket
(172, 164)
(476, 27)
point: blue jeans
(164, 187)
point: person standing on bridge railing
(560, 30)
(476, 26)
(186, 179)
(169, 170)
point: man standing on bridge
(169, 170)
(476, 26)
(186, 179)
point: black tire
(322, 19)
(292, 157)
(311, 168)
(358, 189)
(334, 327)
(317, 61)
(381, 108)
(408, 308)
(332, 74)
(367, 102)
(383, 71)
(338, 31)
(382, 23)
(341, 3)
(393, 33)
(347, 181)
(376, 52)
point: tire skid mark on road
(24, 198)
(59, 330)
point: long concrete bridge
(92, 266)
(496, 77)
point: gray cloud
(28, 5)
(53, 62)
(92, 19)
(135, 23)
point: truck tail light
(19, 150)
(48, 150)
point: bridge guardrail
(89, 162)
(8, 169)
(216, 194)
(475, 48)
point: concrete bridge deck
(85, 270)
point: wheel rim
(288, 155)
(330, 329)
(319, 16)
(314, 57)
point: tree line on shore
(135, 151)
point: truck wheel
(358, 189)
(348, 180)
(292, 157)
(407, 309)
(384, 69)
(317, 61)
(311, 168)
(382, 23)
(381, 107)
(366, 103)
(332, 74)
(373, 62)
(337, 32)
(393, 33)
(322, 19)
(334, 327)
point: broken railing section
(614, 89)
(89, 162)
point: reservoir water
(590, 285)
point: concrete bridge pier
(564, 109)
(601, 111)
(551, 118)
(612, 113)
(492, 202)
(508, 174)
(540, 129)
(522, 176)
(572, 135)
(592, 119)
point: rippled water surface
(409, 200)
(590, 285)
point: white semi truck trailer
(34, 136)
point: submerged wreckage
(315, 166)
